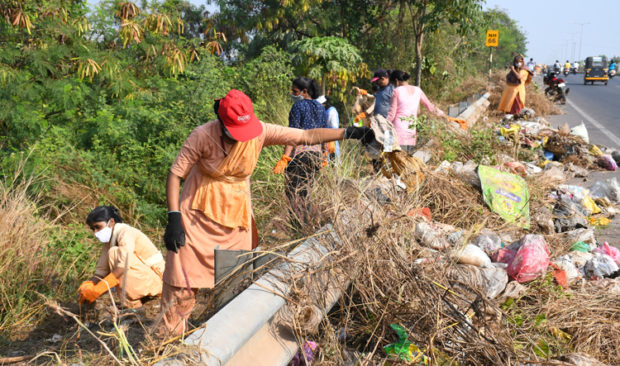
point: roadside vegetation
(95, 104)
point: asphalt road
(598, 106)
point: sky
(554, 28)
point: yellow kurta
(511, 92)
(203, 153)
(133, 252)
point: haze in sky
(554, 28)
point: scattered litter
(609, 189)
(581, 131)
(580, 247)
(471, 254)
(601, 265)
(430, 236)
(506, 194)
(491, 280)
(531, 260)
(403, 349)
(488, 242)
(309, 348)
(571, 273)
(613, 252)
(607, 162)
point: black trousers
(299, 176)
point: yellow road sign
(492, 38)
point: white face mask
(104, 235)
(297, 98)
(517, 64)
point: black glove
(175, 235)
(364, 134)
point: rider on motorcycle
(557, 66)
(612, 66)
(567, 66)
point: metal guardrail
(252, 328)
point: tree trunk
(419, 41)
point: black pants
(298, 177)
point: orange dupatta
(223, 194)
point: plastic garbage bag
(491, 280)
(504, 255)
(430, 236)
(568, 215)
(609, 189)
(594, 150)
(613, 252)
(607, 162)
(567, 265)
(308, 354)
(467, 172)
(513, 290)
(544, 219)
(601, 265)
(531, 260)
(471, 254)
(581, 131)
(585, 235)
(580, 247)
(580, 258)
(488, 242)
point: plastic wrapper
(581, 131)
(569, 215)
(488, 242)
(566, 264)
(601, 265)
(607, 249)
(491, 280)
(530, 261)
(473, 255)
(609, 189)
(607, 162)
(430, 236)
(580, 258)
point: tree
(428, 15)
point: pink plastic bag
(613, 252)
(531, 260)
(607, 162)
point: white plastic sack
(601, 265)
(581, 131)
(579, 259)
(471, 254)
(609, 189)
(496, 279)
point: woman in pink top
(405, 103)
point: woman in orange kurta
(513, 98)
(216, 162)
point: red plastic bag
(504, 255)
(531, 260)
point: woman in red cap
(214, 209)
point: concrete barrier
(475, 110)
(255, 328)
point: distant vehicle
(556, 89)
(595, 69)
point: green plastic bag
(580, 247)
(403, 349)
(506, 194)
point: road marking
(604, 129)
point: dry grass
(23, 240)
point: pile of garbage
(481, 263)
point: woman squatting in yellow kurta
(128, 259)
(215, 208)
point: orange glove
(331, 147)
(85, 284)
(281, 165)
(363, 92)
(359, 117)
(92, 293)
(325, 159)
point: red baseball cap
(237, 113)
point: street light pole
(581, 38)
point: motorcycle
(566, 71)
(573, 70)
(612, 73)
(556, 89)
